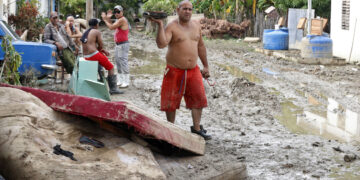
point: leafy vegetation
(131, 7)
(12, 61)
(73, 7)
(219, 9)
(168, 6)
(28, 18)
(228, 9)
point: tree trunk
(89, 9)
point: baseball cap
(118, 7)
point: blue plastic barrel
(276, 39)
(314, 46)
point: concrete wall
(7, 7)
(1, 10)
(295, 34)
(345, 40)
(44, 8)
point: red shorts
(102, 59)
(178, 83)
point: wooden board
(316, 27)
(236, 172)
(145, 124)
(281, 21)
(324, 22)
(302, 22)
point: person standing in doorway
(121, 27)
(183, 76)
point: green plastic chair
(85, 80)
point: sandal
(202, 132)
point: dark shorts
(178, 83)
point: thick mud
(281, 119)
(29, 130)
(273, 115)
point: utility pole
(309, 16)
(89, 9)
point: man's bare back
(183, 46)
(91, 45)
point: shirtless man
(72, 30)
(182, 75)
(93, 51)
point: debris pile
(39, 143)
(212, 28)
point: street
(270, 114)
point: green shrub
(12, 61)
(168, 6)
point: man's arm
(71, 42)
(67, 28)
(100, 44)
(67, 36)
(163, 36)
(78, 34)
(106, 18)
(47, 35)
(117, 24)
(203, 57)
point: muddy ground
(258, 112)
(281, 119)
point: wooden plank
(281, 21)
(301, 24)
(325, 20)
(143, 123)
(236, 172)
(316, 27)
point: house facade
(345, 29)
(46, 7)
(8, 7)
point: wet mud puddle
(237, 72)
(146, 62)
(328, 119)
(322, 116)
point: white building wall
(8, 7)
(345, 40)
(44, 8)
(1, 10)
(11, 7)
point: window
(345, 14)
